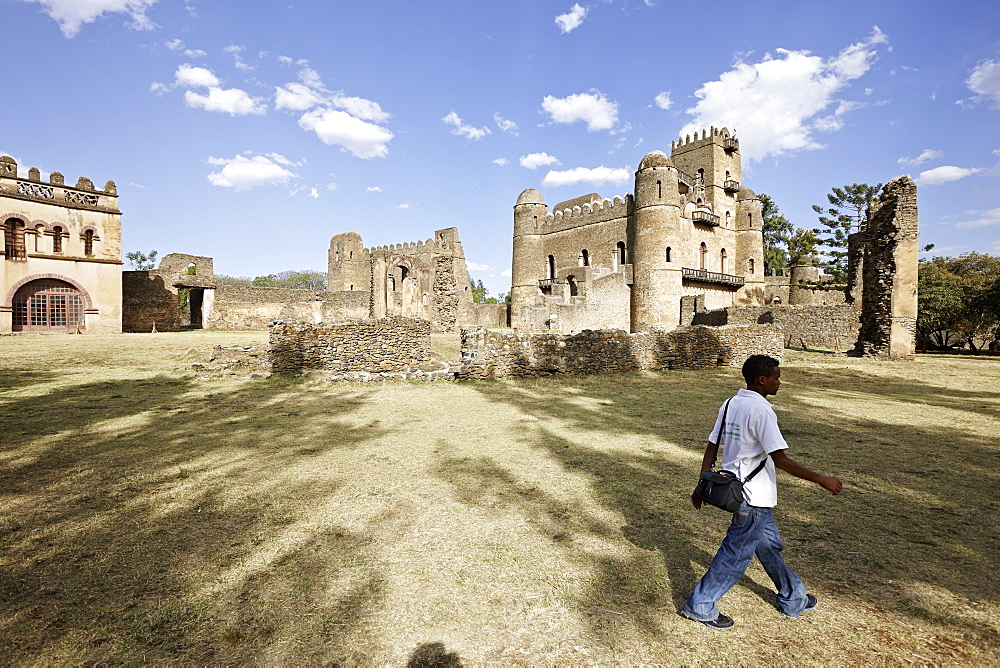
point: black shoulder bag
(723, 489)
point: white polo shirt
(751, 434)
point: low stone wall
(488, 315)
(374, 346)
(488, 355)
(239, 307)
(147, 300)
(833, 327)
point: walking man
(750, 437)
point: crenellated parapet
(404, 248)
(600, 211)
(719, 136)
(83, 196)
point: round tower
(527, 262)
(656, 282)
(749, 259)
(347, 263)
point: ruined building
(61, 264)
(689, 228)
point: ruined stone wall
(831, 327)
(487, 315)
(488, 355)
(387, 344)
(889, 274)
(239, 307)
(148, 299)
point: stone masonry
(491, 355)
(384, 345)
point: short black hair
(758, 365)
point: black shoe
(720, 623)
(810, 603)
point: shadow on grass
(146, 521)
(909, 518)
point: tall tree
(959, 299)
(479, 291)
(848, 208)
(801, 246)
(777, 231)
(140, 261)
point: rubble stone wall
(240, 307)
(832, 327)
(383, 345)
(490, 355)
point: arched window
(729, 218)
(536, 221)
(551, 267)
(88, 243)
(350, 255)
(749, 221)
(403, 273)
(722, 260)
(351, 287)
(47, 304)
(702, 254)
(621, 253)
(57, 235)
(391, 282)
(668, 253)
(584, 258)
(700, 180)
(13, 240)
(659, 190)
(574, 289)
(750, 266)
(192, 269)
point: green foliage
(777, 232)
(801, 246)
(294, 280)
(479, 292)
(222, 279)
(140, 261)
(959, 300)
(848, 208)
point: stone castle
(690, 227)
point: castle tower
(348, 266)
(529, 216)
(713, 160)
(656, 284)
(749, 260)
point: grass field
(147, 516)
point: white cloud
(245, 173)
(296, 97)
(504, 124)
(536, 160)
(596, 176)
(233, 101)
(593, 108)
(404, 205)
(501, 161)
(572, 19)
(984, 81)
(314, 193)
(925, 155)
(663, 100)
(373, 189)
(477, 267)
(72, 14)
(360, 138)
(174, 44)
(777, 102)
(984, 219)
(195, 53)
(191, 76)
(945, 174)
(331, 186)
(505, 272)
(310, 92)
(366, 110)
(461, 129)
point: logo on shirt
(731, 431)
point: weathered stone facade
(491, 355)
(374, 345)
(829, 327)
(889, 270)
(60, 267)
(689, 227)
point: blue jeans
(751, 532)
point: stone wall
(387, 344)
(488, 315)
(148, 299)
(239, 307)
(832, 327)
(490, 355)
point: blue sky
(252, 131)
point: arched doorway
(47, 304)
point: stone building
(423, 279)
(61, 268)
(688, 228)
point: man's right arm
(788, 465)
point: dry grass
(149, 517)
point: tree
(848, 208)
(479, 291)
(777, 232)
(959, 300)
(294, 280)
(140, 261)
(801, 246)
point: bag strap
(722, 429)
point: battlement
(82, 196)
(719, 136)
(599, 211)
(406, 247)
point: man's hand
(831, 484)
(696, 501)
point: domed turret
(530, 196)
(656, 159)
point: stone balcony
(706, 276)
(705, 218)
